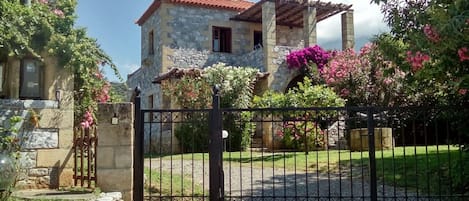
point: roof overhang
(231, 5)
(290, 12)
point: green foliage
(194, 91)
(306, 95)
(302, 135)
(300, 129)
(47, 28)
(236, 84)
(119, 92)
(240, 130)
(365, 78)
(439, 31)
(9, 140)
(193, 133)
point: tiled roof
(236, 5)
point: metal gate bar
(85, 141)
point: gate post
(138, 148)
(371, 154)
(215, 149)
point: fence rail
(361, 153)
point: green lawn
(165, 184)
(435, 169)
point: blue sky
(112, 23)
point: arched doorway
(294, 82)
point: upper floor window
(221, 39)
(257, 39)
(151, 43)
(31, 79)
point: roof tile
(237, 5)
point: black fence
(362, 153)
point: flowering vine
(305, 57)
(46, 28)
(417, 60)
(364, 78)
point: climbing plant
(194, 91)
(42, 28)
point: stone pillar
(309, 26)
(269, 37)
(115, 148)
(348, 35)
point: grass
(165, 184)
(433, 169)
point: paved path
(243, 181)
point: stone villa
(199, 33)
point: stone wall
(46, 158)
(191, 44)
(115, 148)
(282, 76)
(289, 36)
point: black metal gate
(362, 153)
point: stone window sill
(28, 104)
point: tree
(435, 34)
(47, 27)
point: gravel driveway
(243, 182)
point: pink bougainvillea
(304, 57)
(87, 120)
(462, 91)
(417, 60)
(431, 33)
(59, 13)
(103, 95)
(361, 79)
(463, 54)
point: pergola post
(269, 37)
(309, 26)
(348, 35)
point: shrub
(193, 133)
(301, 134)
(364, 78)
(194, 92)
(300, 129)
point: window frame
(40, 68)
(151, 42)
(255, 46)
(224, 35)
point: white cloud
(368, 21)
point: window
(151, 106)
(31, 79)
(221, 39)
(151, 43)
(257, 39)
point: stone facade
(183, 39)
(46, 159)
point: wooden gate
(85, 141)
